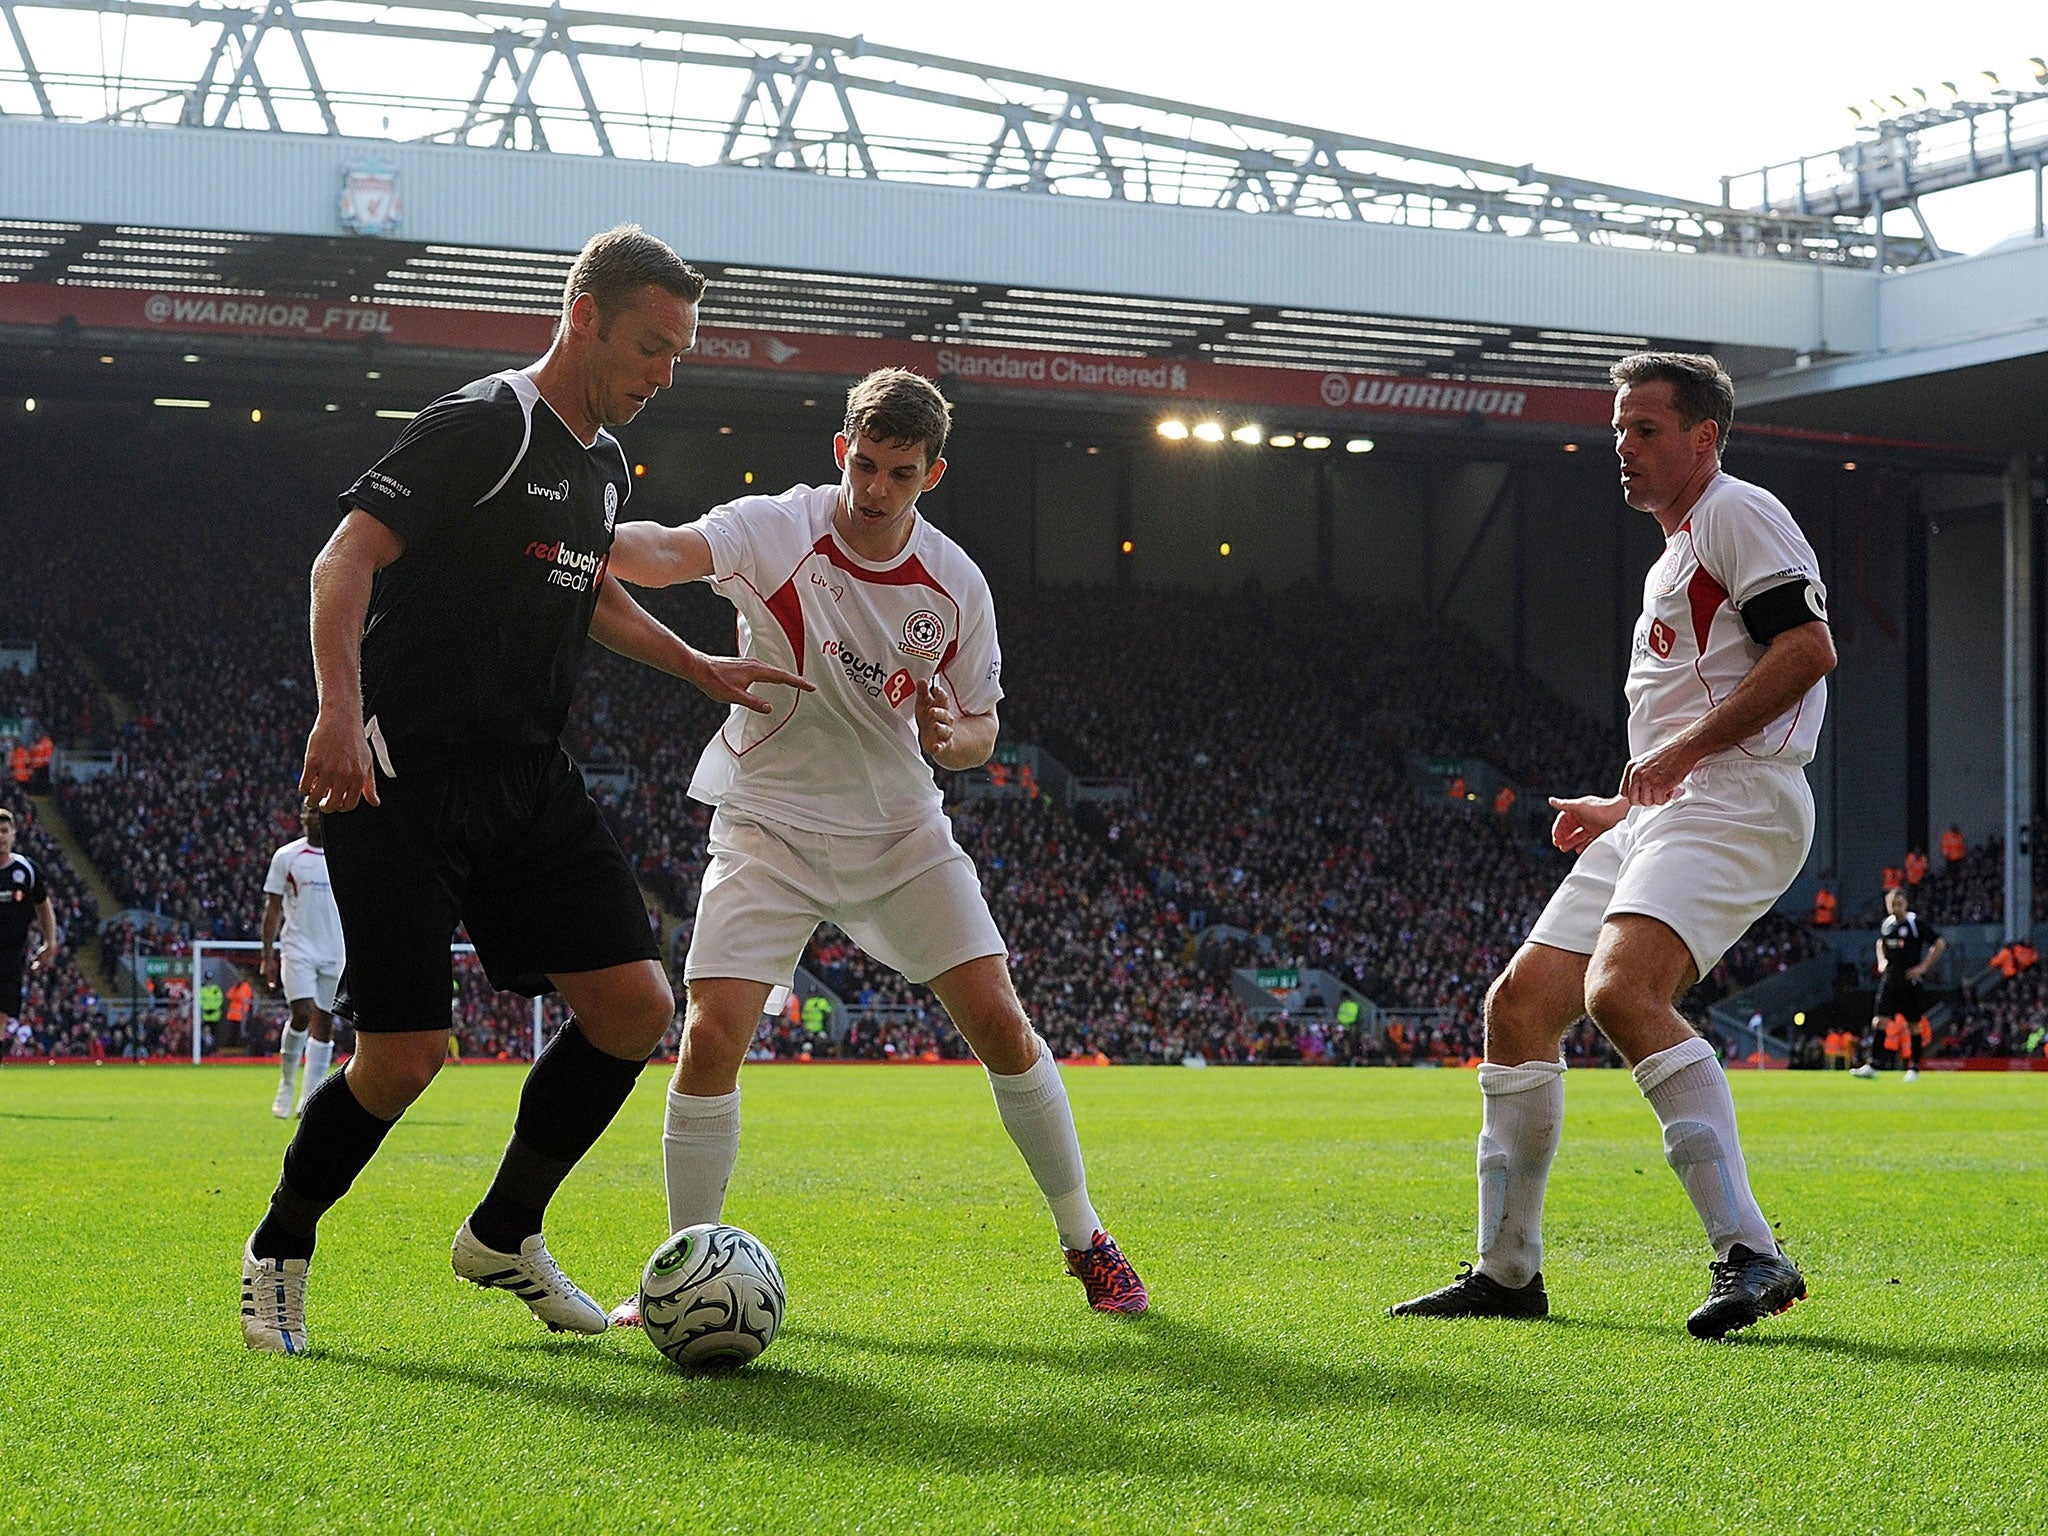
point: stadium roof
(482, 279)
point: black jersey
(475, 634)
(21, 892)
(1905, 940)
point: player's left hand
(731, 679)
(38, 960)
(934, 720)
(1654, 778)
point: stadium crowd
(1272, 799)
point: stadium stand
(1266, 809)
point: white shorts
(305, 977)
(1707, 863)
(910, 899)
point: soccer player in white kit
(826, 809)
(298, 899)
(1713, 822)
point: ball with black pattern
(712, 1297)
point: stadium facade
(321, 278)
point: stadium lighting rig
(1907, 147)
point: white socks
(700, 1142)
(1035, 1112)
(319, 1057)
(1518, 1134)
(288, 1050)
(1689, 1091)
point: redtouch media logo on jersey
(870, 677)
(575, 569)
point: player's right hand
(338, 772)
(270, 973)
(1581, 820)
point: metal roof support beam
(291, 21)
(558, 32)
(194, 115)
(247, 74)
(28, 63)
(522, 100)
(1142, 148)
(827, 66)
(501, 54)
(763, 84)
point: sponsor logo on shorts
(924, 634)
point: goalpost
(202, 947)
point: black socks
(571, 1095)
(336, 1139)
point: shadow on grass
(99, 1119)
(1179, 1371)
(1996, 1357)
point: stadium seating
(1264, 747)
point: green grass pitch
(937, 1370)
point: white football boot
(534, 1277)
(281, 1106)
(274, 1304)
(1912, 1075)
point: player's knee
(651, 1010)
(1615, 999)
(388, 1080)
(1516, 1007)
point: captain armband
(1770, 613)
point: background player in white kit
(1713, 822)
(827, 809)
(298, 898)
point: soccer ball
(711, 1296)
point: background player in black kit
(24, 903)
(449, 614)
(1907, 949)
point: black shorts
(510, 847)
(10, 982)
(1901, 997)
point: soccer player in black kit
(1906, 950)
(24, 903)
(449, 611)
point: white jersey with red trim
(1691, 646)
(312, 925)
(844, 759)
